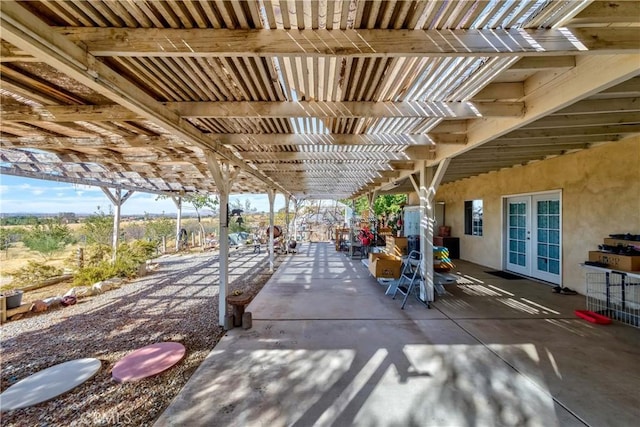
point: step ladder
(410, 277)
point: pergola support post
(223, 175)
(178, 202)
(287, 200)
(427, 215)
(117, 199)
(271, 193)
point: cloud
(25, 195)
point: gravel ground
(178, 302)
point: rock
(68, 300)
(83, 291)
(70, 293)
(246, 320)
(39, 306)
(53, 301)
(97, 288)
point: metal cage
(616, 295)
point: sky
(27, 195)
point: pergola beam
(368, 43)
(4, 170)
(270, 110)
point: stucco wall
(600, 196)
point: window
(473, 217)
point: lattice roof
(324, 99)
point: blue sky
(26, 195)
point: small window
(473, 217)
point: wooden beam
(442, 109)
(67, 113)
(131, 42)
(584, 120)
(609, 13)
(500, 91)
(320, 139)
(544, 63)
(527, 134)
(267, 110)
(601, 106)
(285, 156)
(94, 182)
(267, 166)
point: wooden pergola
(311, 99)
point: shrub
(96, 254)
(34, 272)
(99, 267)
(94, 273)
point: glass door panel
(546, 234)
(518, 235)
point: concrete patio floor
(329, 348)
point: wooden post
(178, 202)
(80, 258)
(3, 309)
(223, 175)
(117, 199)
(271, 193)
(427, 214)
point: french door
(534, 236)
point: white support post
(117, 199)
(287, 199)
(296, 206)
(427, 215)
(271, 193)
(178, 202)
(223, 175)
(223, 234)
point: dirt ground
(176, 302)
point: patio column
(427, 193)
(271, 193)
(223, 176)
(286, 215)
(178, 202)
(117, 199)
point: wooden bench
(238, 302)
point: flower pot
(14, 299)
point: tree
(199, 202)
(48, 237)
(156, 229)
(5, 240)
(98, 228)
(389, 203)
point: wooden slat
(353, 43)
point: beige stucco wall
(600, 196)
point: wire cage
(615, 295)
